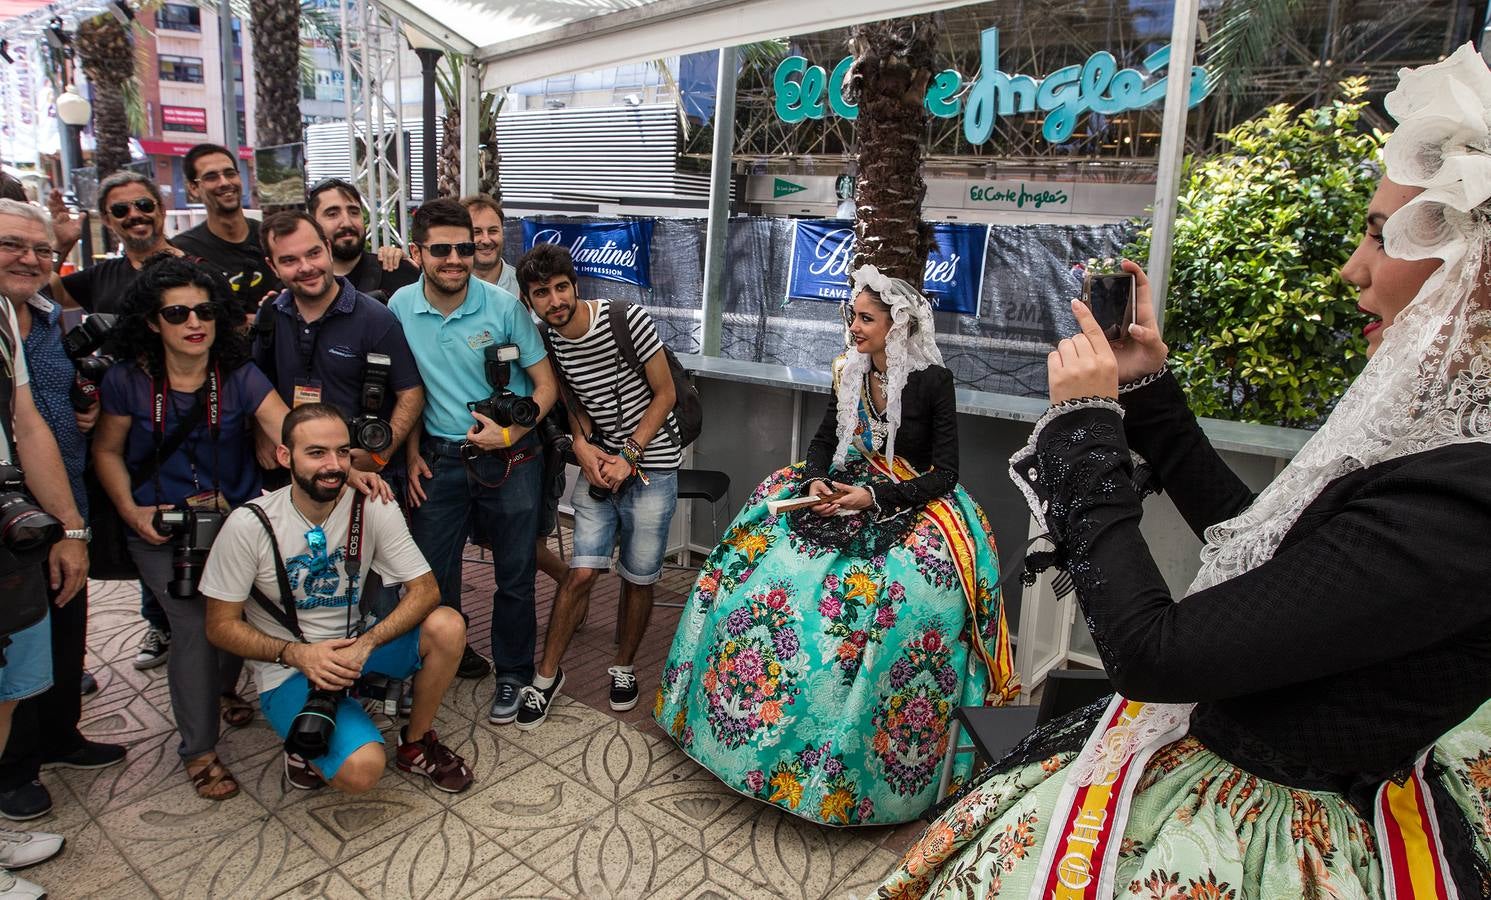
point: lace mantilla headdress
(1429, 383)
(907, 350)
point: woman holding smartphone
(1306, 721)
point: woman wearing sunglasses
(823, 650)
(176, 434)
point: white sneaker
(13, 888)
(155, 648)
(19, 849)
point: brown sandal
(236, 711)
(209, 776)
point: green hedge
(1261, 326)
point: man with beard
(131, 206)
(313, 540)
(467, 468)
(337, 207)
(228, 241)
(486, 227)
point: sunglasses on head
(178, 314)
(440, 251)
(143, 204)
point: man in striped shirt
(628, 446)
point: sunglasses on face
(178, 314)
(143, 204)
(441, 251)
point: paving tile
(340, 827)
(534, 810)
(443, 856)
(150, 768)
(799, 859)
(88, 866)
(122, 715)
(329, 885)
(867, 876)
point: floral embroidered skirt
(823, 680)
(1200, 828)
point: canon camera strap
(165, 447)
(284, 612)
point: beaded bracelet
(1146, 381)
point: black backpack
(688, 412)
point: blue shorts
(642, 515)
(399, 658)
(28, 662)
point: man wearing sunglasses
(228, 241)
(326, 563)
(132, 208)
(465, 468)
(337, 208)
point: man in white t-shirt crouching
(327, 537)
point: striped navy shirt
(592, 364)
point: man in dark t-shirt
(228, 241)
(336, 206)
(131, 206)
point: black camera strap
(165, 447)
(284, 612)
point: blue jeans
(505, 503)
(640, 516)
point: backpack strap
(622, 332)
(284, 613)
(265, 325)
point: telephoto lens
(310, 733)
(23, 525)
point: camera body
(555, 435)
(81, 345)
(598, 493)
(192, 532)
(504, 407)
(369, 430)
(24, 527)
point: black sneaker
(90, 755)
(88, 684)
(473, 664)
(623, 688)
(534, 704)
(29, 801)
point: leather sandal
(236, 711)
(210, 774)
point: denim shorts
(641, 515)
(399, 658)
(28, 663)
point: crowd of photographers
(288, 440)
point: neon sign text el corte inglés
(804, 91)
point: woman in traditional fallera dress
(1270, 732)
(823, 650)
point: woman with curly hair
(823, 649)
(177, 433)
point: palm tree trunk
(450, 153)
(893, 63)
(276, 31)
(108, 58)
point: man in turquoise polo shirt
(466, 468)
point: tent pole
(717, 235)
(1172, 152)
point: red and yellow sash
(1413, 864)
(1080, 859)
(1004, 684)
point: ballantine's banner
(822, 250)
(805, 91)
(615, 251)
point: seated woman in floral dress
(823, 650)
(1308, 722)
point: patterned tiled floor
(593, 804)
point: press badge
(479, 340)
(307, 390)
(207, 500)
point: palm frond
(1245, 35)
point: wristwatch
(78, 534)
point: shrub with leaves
(1261, 326)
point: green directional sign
(784, 188)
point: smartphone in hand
(1112, 299)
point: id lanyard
(162, 394)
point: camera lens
(524, 411)
(186, 565)
(310, 732)
(23, 526)
(374, 435)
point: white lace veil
(1429, 383)
(907, 349)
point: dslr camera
(191, 532)
(311, 730)
(504, 407)
(369, 430)
(24, 527)
(601, 494)
(81, 345)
